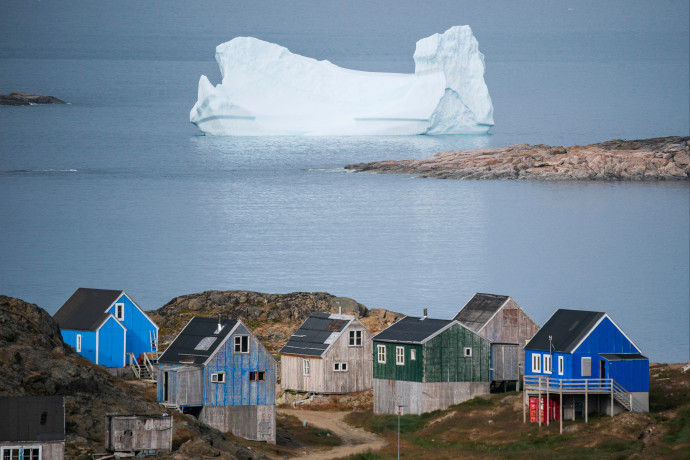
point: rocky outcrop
(272, 317)
(664, 158)
(19, 98)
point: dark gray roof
(412, 330)
(479, 310)
(316, 334)
(622, 356)
(84, 311)
(197, 341)
(566, 328)
(32, 418)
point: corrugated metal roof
(566, 328)
(32, 418)
(412, 330)
(479, 310)
(84, 310)
(622, 356)
(194, 345)
(316, 334)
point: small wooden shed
(32, 427)
(499, 319)
(138, 434)
(428, 364)
(330, 354)
(220, 372)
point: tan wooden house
(329, 354)
(500, 320)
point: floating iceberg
(267, 90)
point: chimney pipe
(340, 310)
(219, 325)
(425, 313)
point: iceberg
(267, 90)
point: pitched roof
(85, 310)
(413, 329)
(32, 418)
(622, 356)
(567, 328)
(198, 341)
(480, 309)
(316, 334)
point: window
(560, 365)
(257, 376)
(355, 338)
(218, 377)
(548, 368)
(467, 352)
(381, 352)
(120, 311)
(340, 367)
(27, 453)
(399, 356)
(305, 366)
(78, 343)
(586, 367)
(413, 355)
(241, 344)
(10, 453)
(32, 453)
(536, 363)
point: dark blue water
(117, 190)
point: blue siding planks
(111, 344)
(88, 342)
(139, 326)
(606, 338)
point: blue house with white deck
(218, 371)
(104, 326)
(587, 357)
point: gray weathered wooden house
(32, 428)
(329, 354)
(221, 373)
(500, 320)
(138, 434)
(428, 364)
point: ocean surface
(117, 190)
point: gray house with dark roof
(32, 428)
(499, 319)
(105, 326)
(330, 354)
(218, 371)
(428, 364)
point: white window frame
(25, 448)
(561, 365)
(306, 366)
(413, 354)
(238, 348)
(399, 356)
(340, 367)
(78, 347)
(536, 363)
(259, 376)
(381, 354)
(582, 366)
(218, 377)
(467, 352)
(548, 364)
(355, 338)
(18, 452)
(120, 311)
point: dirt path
(355, 440)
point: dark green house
(428, 364)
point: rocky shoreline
(19, 98)
(656, 159)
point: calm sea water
(117, 190)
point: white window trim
(21, 450)
(413, 354)
(536, 363)
(306, 367)
(340, 367)
(118, 316)
(381, 354)
(561, 365)
(218, 377)
(355, 338)
(467, 352)
(548, 364)
(238, 343)
(78, 347)
(399, 356)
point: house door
(166, 378)
(602, 371)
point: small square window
(467, 352)
(241, 344)
(355, 338)
(257, 376)
(336, 367)
(218, 377)
(343, 367)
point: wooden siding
(139, 326)
(420, 397)
(444, 359)
(257, 422)
(185, 385)
(111, 344)
(411, 371)
(88, 342)
(237, 390)
(292, 378)
(504, 361)
(126, 433)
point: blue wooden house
(585, 356)
(105, 326)
(218, 371)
